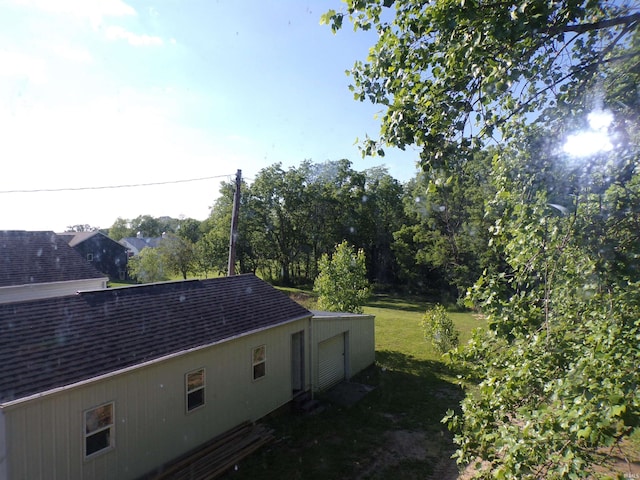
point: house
(104, 253)
(115, 383)
(40, 265)
(134, 245)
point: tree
(177, 254)
(120, 229)
(189, 229)
(381, 213)
(557, 366)
(342, 284)
(447, 227)
(449, 74)
(147, 266)
(147, 226)
(82, 228)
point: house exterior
(104, 253)
(41, 265)
(134, 245)
(115, 383)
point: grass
(414, 389)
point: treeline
(415, 237)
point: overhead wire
(106, 187)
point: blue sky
(114, 92)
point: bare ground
(402, 445)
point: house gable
(52, 343)
(40, 257)
(104, 253)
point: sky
(107, 93)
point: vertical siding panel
(33, 423)
(61, 421)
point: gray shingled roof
(50, 343)
(142, 242)
(74, 238)
(40, 257)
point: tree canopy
(342, 284)
(555, 372)
(451, 74)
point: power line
(106, 187)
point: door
(331, 362)
(297, 362)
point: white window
(195, 383)
(99, 434)
(259, 362)
(90, 257)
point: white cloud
(94, 9)
(119, 33)
(15, 64)
(72, 53)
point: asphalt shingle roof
(40, 257)
(50, 343)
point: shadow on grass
(399, 303)
(410, 398)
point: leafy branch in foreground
(452, 73)
(558, 362)
(556, 368)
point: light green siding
(45, 435)
(359, 341)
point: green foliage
(120, 229)
(556, 367)
(342, 284)
(439, 329)
(449, 74)
(448, 227)
(290, 218)
(147, 266)
(177, 255)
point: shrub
(439, 329)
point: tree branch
(602, 24)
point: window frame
(99, 430)
(199, 389)
(89, 257)
(257, 363)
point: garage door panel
(331, 365)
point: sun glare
(593, 140)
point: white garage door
(331, 361)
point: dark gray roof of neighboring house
(50, 343)
(142, 242)
(74, 238)
(40, 257)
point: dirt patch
(399, 445)
(436, 449)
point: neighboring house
(135, 244)
(41, 265)
(104, 253)
(115, 383)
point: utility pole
(231, 268)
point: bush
(439, 329)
